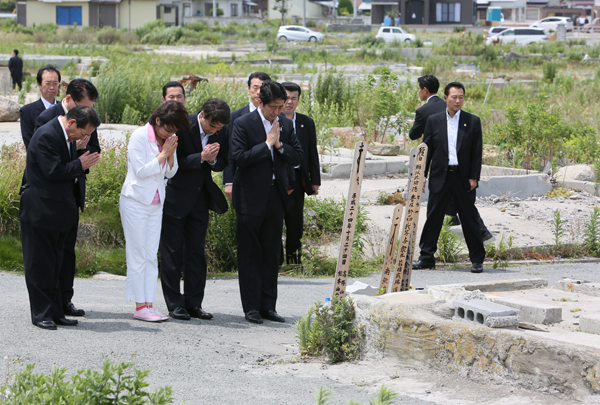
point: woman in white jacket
(151, 159)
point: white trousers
(141, 226)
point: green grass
(11, 254)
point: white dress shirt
(452, 137)
(65, 133)
(48, 104)
(204, 138)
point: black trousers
(436, 209)
(42, 256)
(17, 81)
(182, 242)
(259, 246)
(67, 267)
(451, 210)
(294, 223)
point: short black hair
(429, 82)
(289, 86)
(258, 75)
(271, 91)
(216, 110)
(172, 84)
(457, 85)
(172, 115)
(41, 71)
(16, 51)
(79, 89)
(84, 116)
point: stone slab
(531, 311)
(587, 186)
(485, 313)
(506, 285)
(590, 323)
(579, 286)
(515, 186)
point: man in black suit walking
(48, 80)
(307, 176)
(428, 87)
(262, 145)
(48, 208)
(255, 80)
(189, 195)
(79, 92)
(453, 167)
(15, 66)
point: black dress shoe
(486, 234)
(179, 313)
(272, 316)
(48, 325)
(455, 221)
(477, 268)
(70, 310)
(199, 313)
(421, 265)
(254, 317)
(66, 322)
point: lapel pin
(301, 125)
(465, 125)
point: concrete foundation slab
(530, 311)
(590, 323)
(506, 285)
(516, 186)
(486, 313)
(579, 286)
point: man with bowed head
(48, 208)
(79, 92)
(202, 149)
(262, 145)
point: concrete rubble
(474, 334)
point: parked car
(519, 35)
(551, 23)
(298, 33)
(595, 24)
(496, 30)
(390, 34)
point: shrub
(549, 69)
(347, 4)
(12, 166)
(108, 35)
(449, 245)
(115, 383)
(592, 233)
(131, 116)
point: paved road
(229, 361)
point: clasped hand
(89, 159)
(273, 136)
(210, 152)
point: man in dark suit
(15, 66)
(48, 208)
(307, 176)
(263, 145)
(255, 80)
(48, 80)
(79, 92)
(189, 195)
(453, 167)
(428, 87)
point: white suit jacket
(144, 174)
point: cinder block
(485, 313)
(532, 311)
(590, 323)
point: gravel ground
(229, 361)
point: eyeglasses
(50, 84)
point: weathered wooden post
(388, 263)
(350, 216)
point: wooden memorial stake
(413, 205)
(350, 216)
(388, 263)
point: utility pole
(304, 13)
(355, 9)
(214, 8)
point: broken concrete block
(362, 288)
(506, 285)
(579, 286)
(531, 311)
(485, 313)
(590, 323)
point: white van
(519, 36)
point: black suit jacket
(468, 149)
(184, 188)
(15, 65)
(310, 169)
(255, 167)
(229, 171)
(435, 105)
(48, 198)
(29, 114)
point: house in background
(128, 14)
(425, 12)
(514, 11)
(314, 8)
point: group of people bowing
(268, 155)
